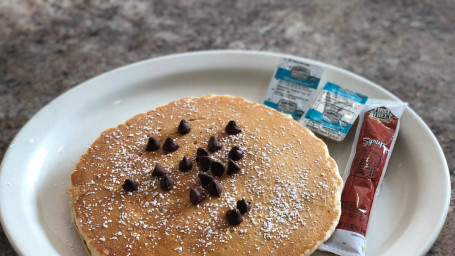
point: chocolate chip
(205, 179)
(236, 153)
(234, 217)
(200, 152)
(213, 144)
(217, 168)
(153, 144)
(214, 188)
(184, 127)
(243, 206)
(170, 145)
(233, 168)
(232, 128)
(205, 163)
(185, 165)
(195, 196)
(167, 183)
(158, 171)
(130, 185)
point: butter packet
(333, 111)
(293, 87)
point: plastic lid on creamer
(292, 87)
(333, 111)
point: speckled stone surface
(48, 47)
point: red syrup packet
(373, 144)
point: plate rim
(81, 86)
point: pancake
(286, 173)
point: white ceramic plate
(36, 169)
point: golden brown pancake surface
(287, 175)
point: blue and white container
(333, 111)
(293, 87)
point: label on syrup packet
(333, 111)
(293, 87)
(376, 134)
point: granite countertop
(48, 47)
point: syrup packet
(371, 150)
(334, 111)
(293, 87)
